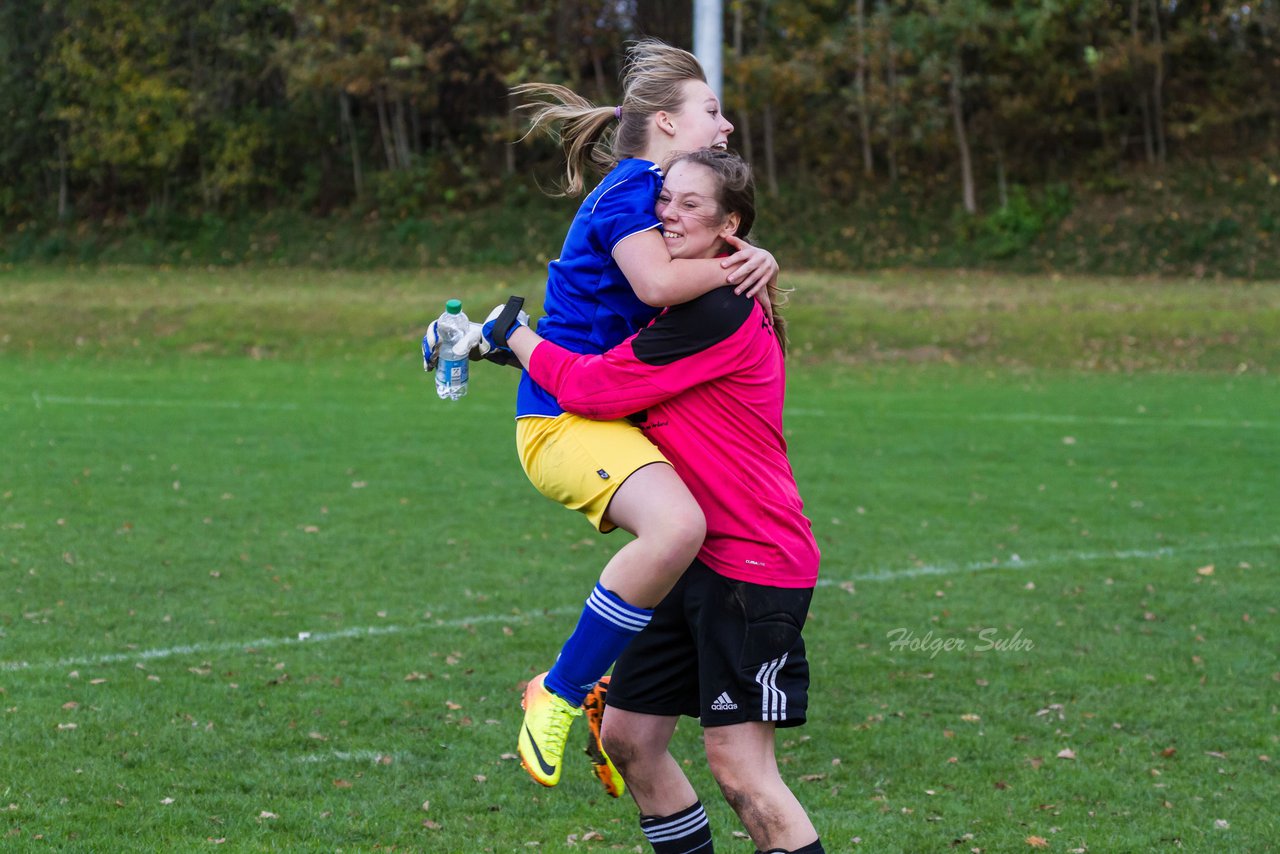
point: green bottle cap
(453, 306)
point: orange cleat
(593, 706)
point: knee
(678, 516)
(734, 781)
(687, 529)
(745, 776)
(619, 744)
(675, 538)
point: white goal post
(708, 42)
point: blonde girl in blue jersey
(613, 275)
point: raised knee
(688, 530)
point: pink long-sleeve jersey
(705, 382)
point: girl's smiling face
(700, 124)
(693, 224)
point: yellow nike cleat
(547, 719)
(593, 706)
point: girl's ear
(731, 223)
(662, 121)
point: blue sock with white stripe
(605, 628)
(685, 832)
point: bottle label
(452, 373)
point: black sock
(814, 847)
(685, 832)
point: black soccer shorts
(719, 650)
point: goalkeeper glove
(472, 345)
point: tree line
(120, 107)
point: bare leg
(744, 764)
(655, 506)
(637, 744)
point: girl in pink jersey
(705, 382)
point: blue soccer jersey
(589, 305)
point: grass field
(260, 590)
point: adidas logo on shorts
(723, 703)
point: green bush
(1189, 220)
(1019, 223)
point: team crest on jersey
(604, 475)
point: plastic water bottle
(451, 372)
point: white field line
(1014, 562)
(142, 655)
(371, 757)
(61, 400)
(365, 757)
(41, 400)
(1109, 420)
(1050, 418)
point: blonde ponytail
(583, 129)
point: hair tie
(617, 112)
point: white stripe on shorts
(773, 703)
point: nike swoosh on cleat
(542, 763)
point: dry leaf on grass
(1037, 842)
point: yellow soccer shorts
(581, 463)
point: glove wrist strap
(506, 321)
